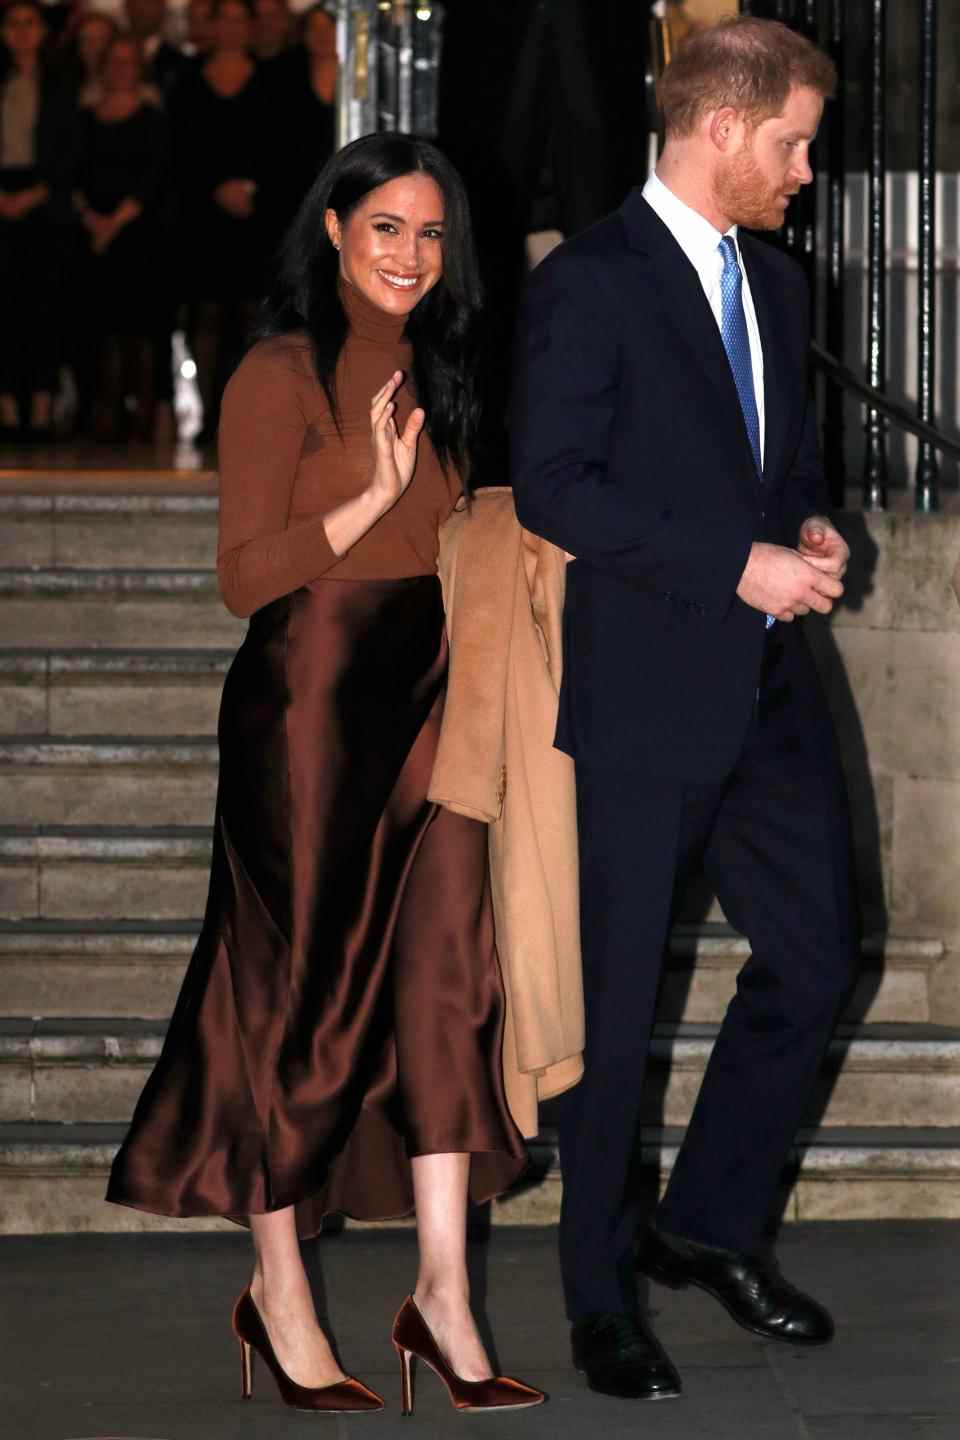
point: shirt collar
(697, 238)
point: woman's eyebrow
(401, 219)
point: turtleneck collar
(367, 321)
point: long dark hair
(442, 327)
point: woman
(219, 119)
(120, 181)
(336, 1045)
(35, 145)
(83, 51)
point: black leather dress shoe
(619, 1357)
(751, 1289)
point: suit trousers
(773, 837)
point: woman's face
(320, 36)
(391, 247)
(22, 32)
(93, 37)
(122, 68)
(272, 25)
(232, 27)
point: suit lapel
(676, 294)
(774, 324)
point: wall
(890, 658)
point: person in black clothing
(79, 61)
(301, 90)
(664, 434)
(35, 142)
(120, 181)
(219, 118)
(163, 62)
(164, 65)
(199, 37)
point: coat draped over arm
(496, 762)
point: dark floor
(129, 1336)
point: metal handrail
(842, 375)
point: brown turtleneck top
(283, 466)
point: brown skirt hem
(308, 1201)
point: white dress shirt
(698, 240)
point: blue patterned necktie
(736, 342)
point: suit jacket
(630, 451)
(503, 596)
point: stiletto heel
(413, 1340)
(246, 1370)
(345, 1396)
(406, 1380)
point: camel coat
(503, 592)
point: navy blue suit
(697, 735)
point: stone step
(116, 692)
(832, 1173)
(52, 1179)
(69, 969)
(94, 1069)
(106, 781)
(165, 609)
(103, 873)
(63, 968)
(169, 532)
(893, 982)
(107, 470)
(872, 1075)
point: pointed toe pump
(413, 1340)
(344, 1397)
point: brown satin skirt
(343, 1010)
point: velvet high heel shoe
(413, 1340)
(338, 1399)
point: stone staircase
(113, 647)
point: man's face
(754, 182)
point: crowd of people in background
(144, 186)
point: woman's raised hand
(393, 461)
(394, 455)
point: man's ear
(724, 127)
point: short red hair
(749, 64)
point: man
(664, 437)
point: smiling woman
(337, 1043)
(387, 221)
